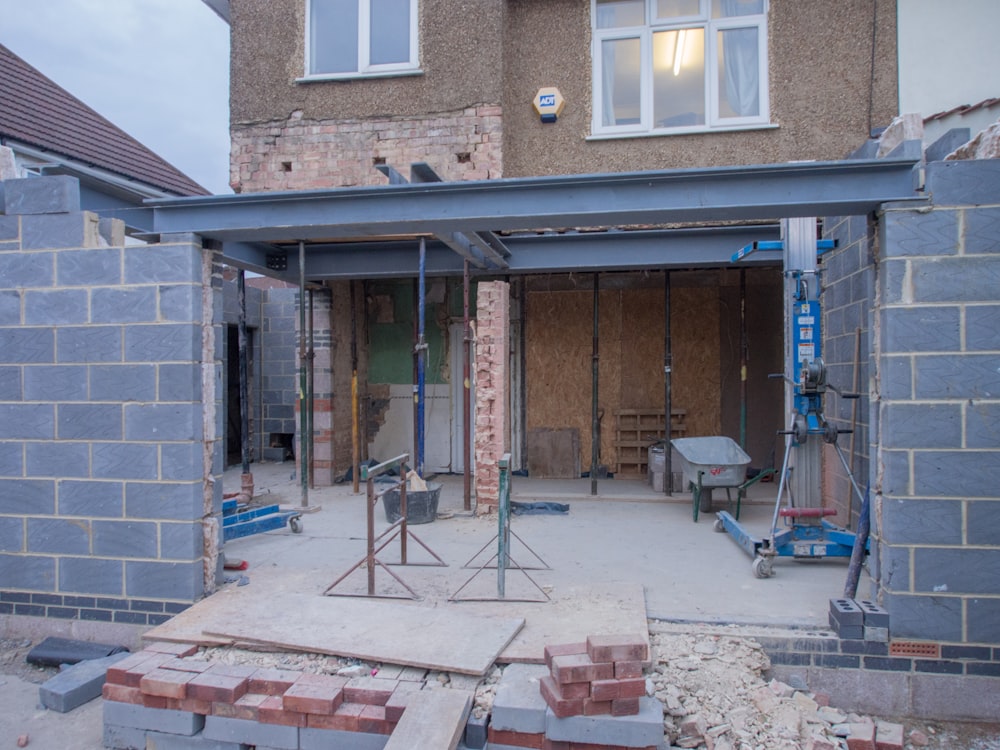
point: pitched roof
(37, 112)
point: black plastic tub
(421, 507)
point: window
(666, 66)
(351, 38)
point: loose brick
(320, 694)
(155, 701)
(399, 700)
(345, 718)
(596, 708)
(574, 690)
(234, 670)
(604, 690)
(605, 648)
(372, 720)
(563, 649)
(195, 666)
(862, 737)
(271, 711)
(270, 681)
(516, 739)
(191, 705)
(166, 683)
(247, 707)
(217, 687)
(579, 668)
(369, 690)
(129, 671)
(625, 707)
(633, 688)
(121, 693)
(174, 649)
(888, 736)
(627, 669)
(561, 707)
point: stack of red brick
(601, 676)
(160, 677)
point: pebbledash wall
(110, 373)
(922, 282)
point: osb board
(642, 349)
(695, 377)
(439, 638)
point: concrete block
(179, 382)
(982, 228)
(58, 536)
(154, 719)
(955, 697)
(518, 705)
(124, 738)
(87, 575)
(34, 573)
(179, 501)
(323, 739)
(947, 570)
(161, 741)
(181, 541)
(164, 580)
(947, 143)
(27, 345)
(11, 534)
(10, 307)
(972, 376)
(181, 462)
(921, 329)
(83, 498)
(77, 684)
(959, 183)
(89, 344)
(643, 729)
(10, 383)
(27, 497)
(90, 422)
(251, 732)
(475, 732)
(123, 305)
(122, 382)
(164, 422)
(922, 426)
(982, 328)
(59, 307)
(123, 461)
(181, 303)
(56, 383)
(876, 635)
(11, 459)
(89, 267)
(964, 279)
(983, 522)
(27, 271)
(163, 342)
(126, 538)
(908, 233)
(112, 231)
(971, 474)
(42, 195)
(9, 225)
(906, 521)
(57, 459)
(846, 618)
(162, 264)
(46, 231)
(925, 617)
(27, 422)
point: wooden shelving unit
(635, 431)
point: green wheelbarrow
(715, 462)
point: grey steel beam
(550, 253)
(745, 193)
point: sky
(158, 69)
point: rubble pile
(715, 697)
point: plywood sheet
(440, 638)
(434, 720)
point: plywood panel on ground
(433, 720)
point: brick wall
(492, 348)
(300, 154)
(109, 373)
(937, 401)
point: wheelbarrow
(715, 462)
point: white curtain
(605, 18)
(740, 62)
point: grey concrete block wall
(278, 372)
(254, 303)
(937, 484)
(103, 436)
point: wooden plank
(436, 638)
(433, 720)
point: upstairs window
(351, 38)
(669, 66)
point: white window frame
(365, 69)
(644, 33)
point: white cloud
(158, 69)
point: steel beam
(741, 193)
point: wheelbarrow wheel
(718, 526)
(295, 524)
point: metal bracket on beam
(822, 246)
(277, 261)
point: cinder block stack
(158, 691)
(601, 676)
(859, 620)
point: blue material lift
(239, 521)
(804, 532)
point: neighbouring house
(394, 167)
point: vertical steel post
(303, 437)
(595, 431)
(370, 518)
(668, 469)
(355, 431)
(311, 393)
(403, 514)
(241, 291)
(466, 393)
(744, 352)
(503, 526)
(421, 357)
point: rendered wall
(110, 486)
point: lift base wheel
(762, 567)
(295, 524)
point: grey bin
(421, 507)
